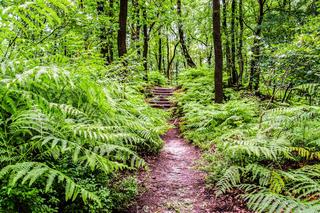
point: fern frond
(267, 201)
(32, 171)
(229, 180)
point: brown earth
(174, 184)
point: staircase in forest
(160, 97)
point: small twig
(248, 26)
(9, 46)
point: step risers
(160, 98)
(162, 91)
(165, 106)
(157, 98)
(162, 94)
(159, 102)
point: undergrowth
(67, 135)
(269, 152)
(72, 129)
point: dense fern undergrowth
(67, 135)
(268, 151)
(72, 130)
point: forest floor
(174, 184)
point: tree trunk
(227, 44)
(111, 34)
(122, 33)
(182, 38)
(145, 43)
(160, 51)
(218, 77)
(234, 74)
(254, 63)
(168, 57)
(103, 31)
(136, 26)
(210, 56)
(241, 62)
(171, 60)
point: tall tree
(136, 28)
(226, 39)
(218, 57)
(255, 49)
(111, 33)
(240, 54)
(103, 31)
(122, 33)
(234, 74)
(160, 50)
(184, 48)
(145, 42)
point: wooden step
(163, 89)
(159, 102)
(162, 105)
(160, 98)
(161, 94)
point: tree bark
(234, 74)
(111, 33)
(122, 33)
(184, 48)
(168, 57)
(136, 26)
(254, 63)
(227, 44)
(145, 43)
(171, 61)
(218, 77)
(241, 62)
(160, 51)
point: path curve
(174, 184)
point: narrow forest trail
(174, 184)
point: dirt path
(175, 185)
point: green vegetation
(269, 151)
(70, 127)
(74, 76)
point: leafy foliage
(270, 154)
(70, 127)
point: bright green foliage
(156, 78)
(58, 127)
(270, 154)
(69, 125)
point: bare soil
(174, 184)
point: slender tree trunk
(184, 48)
(81, 6)
(234, 74)
(168, 58)
(122, 33)
(241, 63)
(218, 77)
(145, 43)
(210, 56)
(160, 51)
(137, 26)
(111, 33)
(254, 63)
(103, 33)
(227, 44)
(171, 60)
